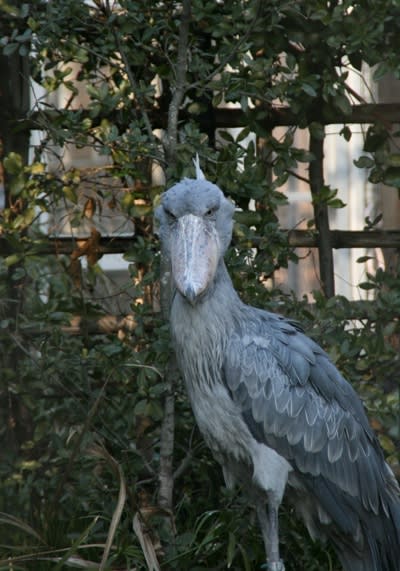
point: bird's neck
(200, 332)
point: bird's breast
(200, 346)
(220, 421)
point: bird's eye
(170, 214)
(210, 212)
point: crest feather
(199, 172)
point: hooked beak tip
(190, 294)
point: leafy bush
(86, 416)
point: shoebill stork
(276, 413)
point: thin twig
(298, 176)
(183, 466)
(188, 458)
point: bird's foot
(275, 565)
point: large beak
(195, 253)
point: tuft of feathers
(199, 172)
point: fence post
(14, 105)
(321, 216)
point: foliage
(82, 414)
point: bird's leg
(270, 532)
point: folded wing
(295, 401)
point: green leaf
(32, 23)
(70, 193)
(382, 69)
(390, 328)
(230, 552)
(248, 217)
(346, 133)
(391, 177)
(13, 163)
(305, 157)
(12, 259)
(376, 175)
(37, 168)
(141, 407)
(140, 210)
(246, 562)
(10, 48)
(375, 138)
(243, 134)
(343, 104)
(195, 108)
(309, 89)
(226, 136)
(18, 274)
(364, 162)
(217, 99)
(393, 160)
(367, 285)
(336, 203)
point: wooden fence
(16, 124)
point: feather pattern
(300, 405)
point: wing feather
(295, 401)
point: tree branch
(166, 478)
(178, 92)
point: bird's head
(195, 229)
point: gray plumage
(272, 407)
